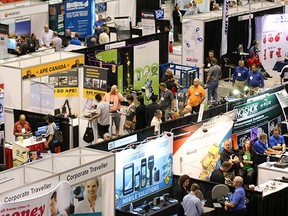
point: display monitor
(101, 7)
(159, 14)
(42, 128)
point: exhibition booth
(76, 175)
(202, 30)
(24, 17)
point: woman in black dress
(183, 182)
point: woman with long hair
(183, 190)
(248, 158)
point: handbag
(88, 135)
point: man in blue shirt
(255, 80)
(260, 146)
(192, 204)
(240, 77)
(75, 39)
(276, 141)
(237, 203)
(98, 26)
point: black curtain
(145, 5)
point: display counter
(29, 143)
(265, 172)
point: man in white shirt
(57, 42)
(104, 37)
(46, 36)
(156, 121)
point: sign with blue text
(79, 16)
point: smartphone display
(137, 181)
(150, 167)
(128, 178)
(143, 172)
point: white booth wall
(37, 12)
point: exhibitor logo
(77, 5)
(247, 110)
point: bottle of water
(268, 161)
(131, 207)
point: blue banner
(80, 16)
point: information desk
(28, 143)
(266, 173)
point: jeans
(212, 90)
(176, 33)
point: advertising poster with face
(53, 203)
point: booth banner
(65, 83)
(148, 22)
(146, 68)
(1, 112)
(141, 172)
(42, 98)
(54, 202)
(272, 34)
(256, 117)
(56, 18)
(282, 97)
(53, 67)
(29, 191)
(224, 42)
(123, 28)
(80, 16)
(193, 42)
(23, 25)
(95, 81)
(109, 56)
(4, 31)
(23, 11)
(197, 147)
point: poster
(54, 201)
(141, 172)
(52, 67)
(56, 18)
(256, 117)
(272, 33)
(197, 147)
(80, 16)
(42, 97)
(23, 25)
(146, 68)
(193, 43)
(95, 82)
(148, 22)
(4, 31)
(65, 83)
(2, 149)
(94, 182)
(282, 97)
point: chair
(207, 210)
(219, 191)
(230, 67)
(200, 195)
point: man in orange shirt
(195, 95)
(114, 98)
(22, 127)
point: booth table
(266, 173)
(274, 197)
(32, 146)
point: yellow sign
(52, 67)
(66, 92)
(90, 93)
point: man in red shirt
(22, 127)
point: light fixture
(247, 88)
(236, 92)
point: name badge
(251, 77)
(208, 65)
(196, 93)
(162, 98)
(245, 157)
(23, 130)
(239, 74)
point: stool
(230, 66)
(57, 149)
